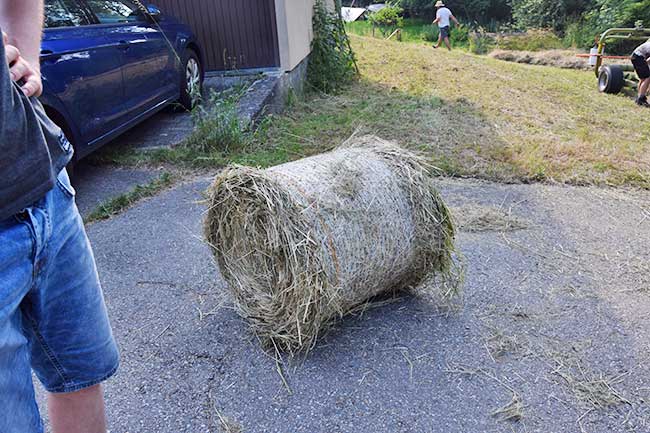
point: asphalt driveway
(552, 336)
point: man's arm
(22, 20)
(453, 18)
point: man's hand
(22, 71)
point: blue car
(109, 64)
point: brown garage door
(234, 34)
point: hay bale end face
(303, 243)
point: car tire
(611, 79)
(191, 80)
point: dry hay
(558, 58)
(477, 218)
(306, 242)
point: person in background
(52, 314)
(639, 59)
(443, 15)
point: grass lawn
(477, 116)
(472, 115)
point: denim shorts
(52, 314)
(640, 66)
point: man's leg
(448, 44)
(78, 412)
(643, 87)
(641, 98)
(18, 410)
(640, 88)
(73, 349)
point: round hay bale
(305, 242)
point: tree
(387, 19)
(482, 11)
(421, 8)
(539, 14)
(622, 13)
(554, 14)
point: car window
(64, 13)
(115, 11)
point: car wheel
(191, 80)
(611, 79)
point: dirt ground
(552, 335)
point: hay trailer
(614, 78)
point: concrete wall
(295, 30)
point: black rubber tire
(611, 79)
(186, 99)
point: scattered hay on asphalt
(594, 391)
(228, 425)
(306, 242)
(499, 344)
(558, 58)
(513, 411)
(476, 218)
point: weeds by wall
(217, 125)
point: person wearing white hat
(443, 15)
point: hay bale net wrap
(305, 242)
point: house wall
(293, 18)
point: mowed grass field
(473, 116)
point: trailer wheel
(611, 79)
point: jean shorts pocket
(63, 182)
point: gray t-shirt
(33, 150)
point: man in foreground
(443, 15)
(639, 59)
(52, 314)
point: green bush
(480, 43)
(387, 19)
(532, 40)
(430, 33)
(459, 35)
(580, 34)
(332, 64)
(604, 14)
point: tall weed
(217, 125)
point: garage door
(234, 34)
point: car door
(148, 61)
(81, 70)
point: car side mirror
(153, 11)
